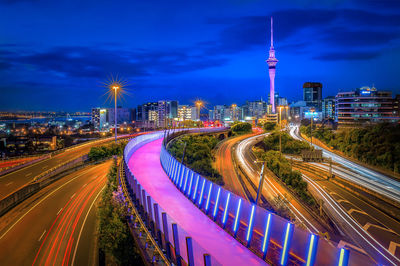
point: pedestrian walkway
(146, 167)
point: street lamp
(198, 104)
(312, 118)
(280, 128)
(280, 124)
(115, 88)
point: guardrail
(269, 236)
(38, 183)
(10, 169)
(179, 247)
(146, 240)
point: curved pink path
(146, 167)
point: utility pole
(260, 185)
(312, 118)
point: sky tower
(271, 69)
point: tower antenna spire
(272, 32)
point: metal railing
(177, 245)
(269, 236)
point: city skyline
(225, 52)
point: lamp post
(115, 110)
(312, 118)
(280, 128)
(198, 104)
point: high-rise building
(123, 115)
(255, 109)
(147, 115)
(99, 118)
(328, 107)
(185, 112)
(167, 111)
(364, 105)
(272, 61)
(312, 94)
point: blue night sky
(55, 54)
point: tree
(269, 126)
(241, 128)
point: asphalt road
(363, 176)
(272, 188)
(15, 180)
(224, 165)
(57, 225)
(372, 230)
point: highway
(56, 225)
(224, 165)
(361, 175)
(379, 225)
(352, 220)
(272, 188)
(16, 179)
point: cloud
(347, 56)
(301, 28)
(97, 62)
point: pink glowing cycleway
(146, 167)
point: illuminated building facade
(364, 105)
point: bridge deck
(146, 167)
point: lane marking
(40, 238)
(59, 211)
(48, 195)
(343, 200)
(9, 183)
(393, 246)
(28, 174)
(84, 185)
(355, 210)
(83, 224)
(73, 195)
(368, 225)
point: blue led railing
(180, 248)
(268, 235)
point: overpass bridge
(198, 222)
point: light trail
(250, 171)
(363, 176)
(353, 225)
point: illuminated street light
(115, 86)
(115, 89)
(312, 118)
(199, 104)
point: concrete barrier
(39, 182)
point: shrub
(269, 126)
(241, 128)
(198, 155)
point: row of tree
(115, 239)
(289, 144)
(282, 168)
(106, 151)
(377, 144)
(239, 128)
(198, 155)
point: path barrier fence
(179, 247)
(270, 236)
